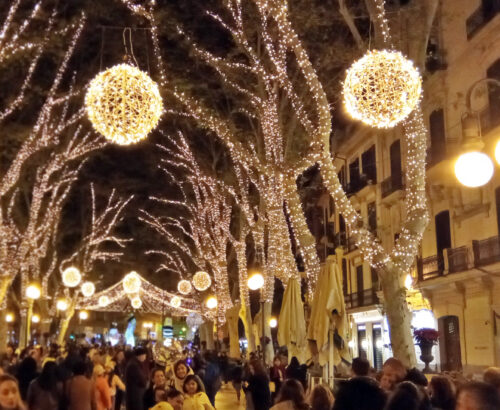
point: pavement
(226, 398)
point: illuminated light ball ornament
(71, 277)
(124, 104)
(88, 289)
(256, 281)
(273, 322)
(136, 302)
(33, 291)
(83, 315)
(184, 287)
(35, 318)
(103, 301)
(62, 305)
(175, 301)
(132, 283)
(202, 281)
(382, 88)
(473, 169)
(211, 302)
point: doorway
(443, 237)
(449, 343)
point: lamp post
(32, 293)
(474, 168)
(256, 282)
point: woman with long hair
(442, 393)
(10, 397)
(45, 392)
(291, 396)
(258, 386)
(320, 398)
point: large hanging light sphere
(136, 302)
(382, 88)
(33, 291)
(103, 301)
(124, 104)
(184, 287)
(473, 169)
(35, 318)
(83, 315)
(88, 289)
(71, 277)
(256, 281)
(132, 283)
(202, 281)
(211, 302)
(175, 301)
(62, 305)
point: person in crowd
(407, 396)
(195, 397)
(237, 379)
(320, 398)
(492, 376)
(173, 400)
(360, 367)
(477, 396)
(442, 393)
(181, 370)
(277, 374)
(116, 384)
(79, 390)
(258, 386)
(393, 372)
(135, 380)
(417, 377)
(120, 367)
(360, 393)
(158, 382)
(8, 358)
(26, 373)
(212, 377)
(296, 371)
(10, 397)
(45, 392)
(101, 388)
(291, 396)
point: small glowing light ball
(88, 289)
(497, 152)
(382, 88)
(175, 302)
(184, 287)
(256, 281)
(62, 305)
(273, 322)
(202, 281)
(408, 282)
(103, 301)
(35, 318)
(84, 315)
(9, 317)
(132, 283)
(473, 169)
(33, 292)
(71, 277)
(124, 104)
(211, 302)
(136, 302)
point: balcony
(486, 251)
(392, 184)
(482, 16)
(458, 259)
(428, 268)
(367, 297)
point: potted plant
(426, 338)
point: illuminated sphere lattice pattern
(103, 301)
(382, 88)
(124, 104)
(184, 287)
(175, 301)
(71, 277)
(88, 289)
(136, 302)
(131, 283)
(202, 281)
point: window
(494, 94)
(372, 216)
(342, 176)
(344, 276)
(486, 11)
(360, 284)
(438, 136)
(369, 164)
(354, 173)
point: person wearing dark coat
(297, 371)
(26, 373)
(135, 381)
(211, 378)
(258, 386)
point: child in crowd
(195, 398)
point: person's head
(192, 384)
(10, 398)
(48, 376)
(492, 376)
(294, 362)
(159, 393)
(175, 398)
(360, 393)
(417, 377)
(442, 392)
(9, 350)
(360, 367)
(393, 372)
(28, 367)
(257, 368)
(79, 368)
(292, 390)
(320, 398)
(277, 361)
(98, 371)
(120, 356)
(405, 396)
(180, 369)
(158, 377)
(477, 396)
(140, 353)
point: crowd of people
(121, 378)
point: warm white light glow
(71, 277)
(83, 315)
(88, 289)
(33, 292)
(9, 317)
(124, 104)
(147, 325)
(256, 281)
(103, 301)
(473, 169)
(132, 283)
(202, 281)
(136, 302)
(497, 152)
(273, 322)
(211, 302)
(408, 282)
(35, 318)
(62, 305)
(382, 88)
(364, 344)
(175, 302)
(184, 287)
(350, 344)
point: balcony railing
(458, 259)
(482, 16)
(486, 251)
(428, 268)
(391, 184)
(366, 297)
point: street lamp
(9, 317)
(256, 282)
(83, 315)
(33, 293)
(35, 318)
(273, 322)
(62, 305)
(211, 302)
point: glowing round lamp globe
(184, 287)
(175, 302)
(256, 281)
(497, 152)
(201, 281)
(62, 305)
(9, 317)
(273, 322)
(33, 292)
(473, 169)
(71, 277)
(35, 318)
(83, 315)
(136, 302)
(211, 302)
(124, 104)
(103, 301)
(382, 88)
(88, 289)
(132, 283)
